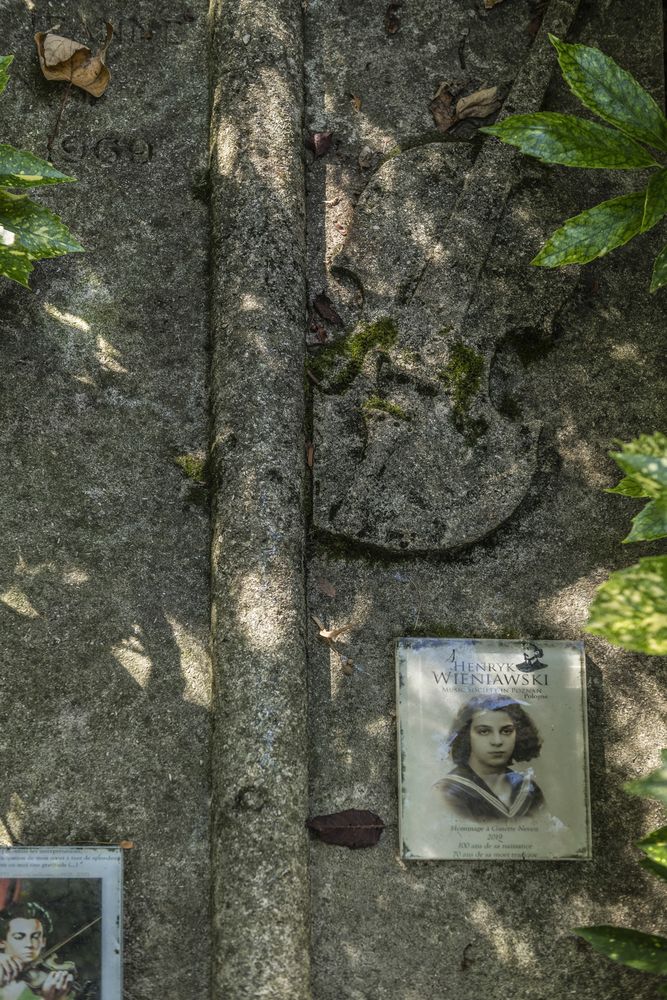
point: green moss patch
(193, 466)
(462, 376)
(339, 365)
(375, 404)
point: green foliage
(646, 952)
(630, 609)
(653, 786)
(572, 142)
(616, 97)
(645, 462)
(28, 231)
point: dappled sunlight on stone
(130, 654)
(75, 577)
(195, 664)
(108, 355)
(15, 599)
(15, 817)
(504, 939)
(66, 318)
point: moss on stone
(193, 466)
(375, 404)
(462, 376)
(436, 630)
(339, 364)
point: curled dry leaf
(326, 587)
(126, 845)
(351, 828)
(356, 102)
(330, 634)
(481, 104)
(310, 455)
(491, 3)
(325, 307)
(442, 108)
(64, 59)
(319, 142)
(392, 20)
(365, 158)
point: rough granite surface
(104, 596)
(514, 532)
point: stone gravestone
(460, 423)
(104, 673)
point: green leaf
(655, 846)
(633, 486)
(652, 467)
(594, 232)
(21, 170)
(25, 225)
(651, 522)
(611, 92)
(646, 952)
(655, 205)
(653, 868)
(5, 63)
(645, 444)
(15, 263)
(630, 609)
(659, 271)
(571, 142)
(654, 785)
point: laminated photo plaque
(60, 923)
(492, 750)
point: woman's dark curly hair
(528, 741)
(25, 911)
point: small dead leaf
(481, 104)
(351, 828)
(319, 142)
(326, 587)
(392, 20)
(442, 108)
(325, 307)
(365, 158)
(356, 102)
(491, 3)
(347, 665)
(126, 845)
(64, 59)
(330, 634)
(310, 455)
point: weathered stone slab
(576, 356)
(422, 231)
(104, 674)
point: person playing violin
(23, 929)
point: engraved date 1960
(107, 150)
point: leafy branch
(28, 231)
(630, 609)
(638, 950)
(614, 95)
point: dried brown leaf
(64, 59)
(126, 845)
(351, 828)
(330, 634)
(347, 665)
(356, 102)
(310, 455)
(365, 158)
(481, 104)
(443, 109)
(392, 20)
(326, 587)
(319, 142)
(325, 307)
(491, 3)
